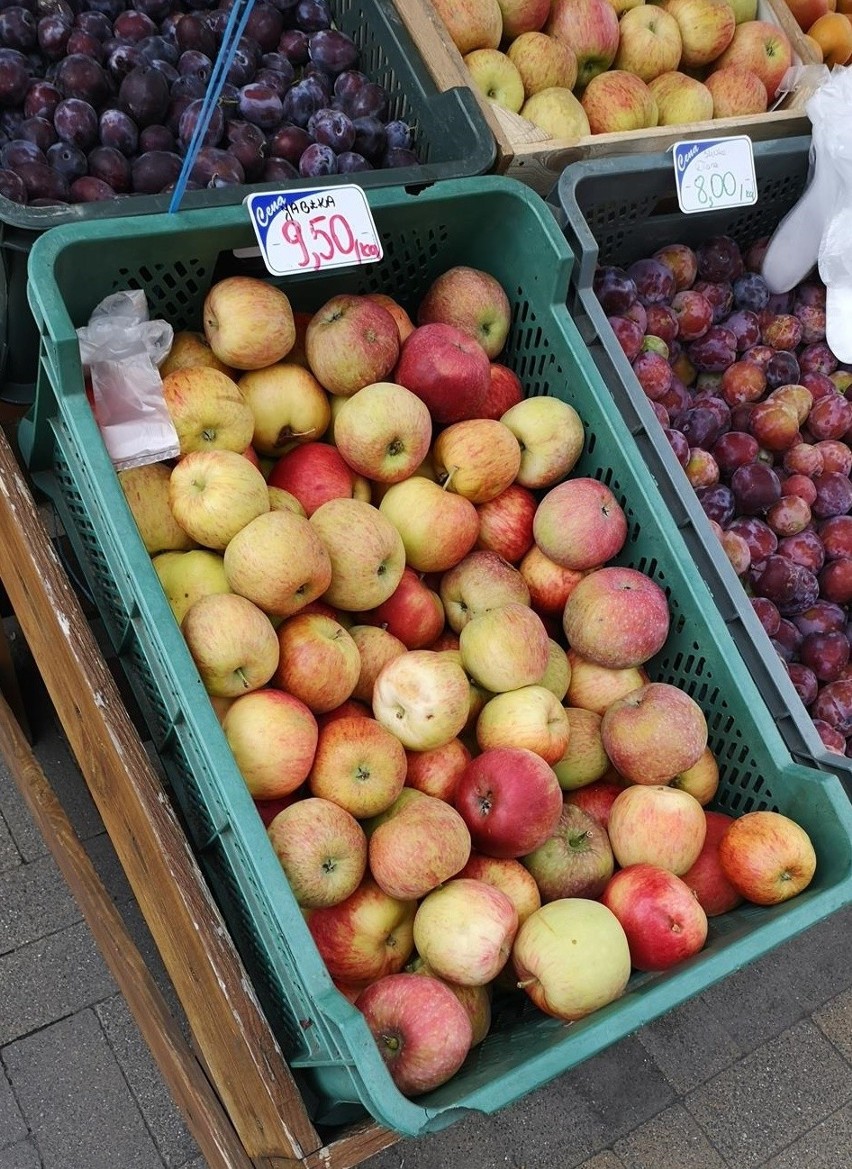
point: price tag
(714, 172)
(309, 231)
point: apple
(186, 576)
(469, 298)
(365, 936)
(273, 737)
(575, 861)
(659, 913)
(422, 1030)
(551, 437)
(705, 876)
(681, 99)
(509, 876)
(649, 42)
(190, 348)
(506, 388)
(616, 617)
(572, 957)
(288, 405)
(422, 843)
(281, 500)
(476, 1000)
(531, 717)
(542, 61)
(278, 561)
(413, 612)
(767, 857)
(269, 809)
(557, 675)
(375, 647)
(584, 760)
(657, 826)
(617, 101)
(231, 312)
(404, 323)
(762, 48)
(478, 458)
(496, 78)
(215, 493)
(745, 9)
(366, 552)
(706, 29)
(477, 695)
(350, 342)
(701, 780)
(736, 92)
(807, 12)
(505, 524)
(422, 697)
(447, 368)
(437, 527)
(594, 687)
(480, 581)
(596, 798)
(358, 765)
(313, 472)
(464, 931)
(522, 16)
(590, 28)
(232, 643)
(505, 648)
(549, 583)
(557, 112)
(146, 490)
(654, 733)
(436, 772)
(579, 524)
(510, 800)
(207, 410)
(322, 850)
(351, 708)
(318, 661)
(383, 431)
(472, 24)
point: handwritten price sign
(309, 231)
(711, 173)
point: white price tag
(714, 172)
(309, 231)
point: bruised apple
(576, 861)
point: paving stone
(13, 1127)
(756, 1108)
(96, 1128)
(196, 1163)
(24, 1155)
(34, 901)
(9, 855)
(604, 1160)
(835, 1021)
(672, 1138)
(689, 1044)
(27, 839)
(825, 1147)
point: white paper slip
(711, 173)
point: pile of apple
(430, 676)
(578, 67)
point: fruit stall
(474, 551)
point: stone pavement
(755, 1072)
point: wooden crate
(526, 153)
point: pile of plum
(754, 404)
(100, 99)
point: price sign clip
(713, 173)
(314, 230)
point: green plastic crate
(498, 225)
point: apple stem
(445, 485)
(241, 675)
(524, 983)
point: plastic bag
(121, 350)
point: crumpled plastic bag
(121, 350)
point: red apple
(654, 733)
(368, 935)
(595, 687)
(318, 662)
(322, 849)
(375, 647)
(580, 524)
(436, 772)
(359, 765)
(506, 390)
(761, 47)
(616, 617)
(313, 472)
(659, 826)
(413, 613)
(510, 800)
(767, 857)
(447, 368)
(471, 300)
(505, 523)
(550, 584)
(350, 343)
(464, 931)
(596, 799)
(705, 877)
(659, 913)
(273, 737)
(351, 708)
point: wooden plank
(352, 1148)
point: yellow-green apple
(496, 78)
(437, 527)
(584, 760)
(313, 472)
(571, 957)
(476, 1000)
(551, 436)
(273, 737)
(436, 772)
(705, 876)
(762, 48)
(366, 552)
(366, 936)
(318, 661)
(557, 675)
(702, 779)
(622, 6)
(617, 101)
(659, 913)
(505, 647)
(736, 92)
(281, 500)
(522, 16)
(191, 348)
(477, 695)
(464, 931)
(590, 28)
(422, 1030)
(146, 490)
(543, 62)
(508, 875)
(351, 342)
(549, 583)
(594, 687)
(383, 432)
(557, 112)
(447, 368)
(654, 733)
(706, 29)
(322, 850)
(477, 458)
(232, 311)
(421, 843)
(510, 800)
(212, 494)
(207, 410)
(681, 99)
(404, 323)
(575, 861)
(580, 524)
(478, 582)
(506, 389)
(375, 647)
(232, 643)
(470, 299)
(505, 523)
(531, 717)
(423, 698)
(186, 576)
(278, 561)
(767, 857)
(359, 765)
(413, 612)
(649, 42)
(472, 24)
(657, 826)
(746, 9)
(616, 617)
(596, 798)
(288, 404)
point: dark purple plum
(277, 170)
(332, 128)
(111, 167)
(290, 142)
(370, 138)
(397, 157)
(260, 105)
(144, 93)
(189, 120)
(348, 84)
(18, 29)
(615, 290)
(89, 189)
(189, 86)
(157, 48)
(248, 145)
(243, 67)
(42, 181)
(756, 487)
(154, 170)
(12, 186)
(294, 45)
(751, 292)
(265, 25)
(157, 137)
(332, 50)
(14, 78)
(38, 130)
(715, 351)
(157, 9)
(719, 259)
(767, 614)
(76, 121)
(216, 167)
(371, 101)
(300, 102)
(117, 129)
(133, 26)
(804, 682)
(172, 117)
(782, 369)
(97, 21)
(122, 60)
(834, 495)
(20, 150)
(399, 134)
(11, 122)
(349, 163)
(655, 282)
(194, 63)
(52, 33)
(86, 45)
(191, 32)
(312, 15)
(168, 71)
(746, 328)
(68, 160)
(278, 61)
(273, 79)
(41, 99)
(721, 297)
(81, 77)
(717, 503)
(318, 160)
